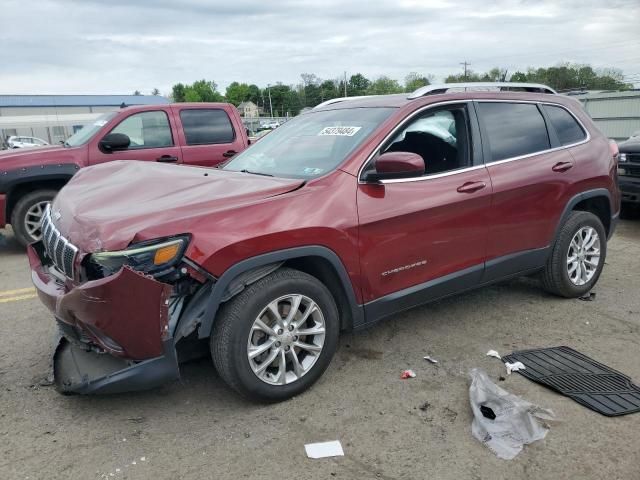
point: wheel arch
(18, 183)
(597, 201)
(316, 260)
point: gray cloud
(117, 46)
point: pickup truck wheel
(577, 257)
(27, 214)
(277, 337)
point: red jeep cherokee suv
(345, 215)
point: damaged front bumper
(115, 333)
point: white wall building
(54, 118)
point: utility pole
(345, 83)
(270, 105)
(465, 64)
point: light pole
(270, 104)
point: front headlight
(155, 257)
(622, 157)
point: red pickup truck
(203, 134)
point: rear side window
(514, 129)
(205, 127)
(565, 125)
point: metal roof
(79, 100)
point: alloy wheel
(286, 339)
(33, 219)
(583, 256)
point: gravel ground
(197, 428)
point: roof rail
(340, 99)
(501, 86)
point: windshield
(83, 135)
(310, 145)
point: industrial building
(54, 118)
(617, 114)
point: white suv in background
(23, 142)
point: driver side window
(146, 130)
(440, 137)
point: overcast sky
(118, 46)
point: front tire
(577, 256)
(277, 337)
(27, 214)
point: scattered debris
(493, 353)
(588, 297)
(516, 423)
(449, 414)
(425, 406)
(408, 374)
(514, 367)
(324, 449)
(501, 378)
(430, 359)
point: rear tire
(577, 256)
(25, 215)
(266, 354)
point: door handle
(167, 159)
(470, 187)
(229, 153)
(562, 166)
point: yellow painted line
(17, 291)
(19, 297)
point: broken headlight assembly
(155, 257)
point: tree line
(311, 90)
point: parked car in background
(25, 142)
(343, 216)
(629, 170)
(270, 125)
(203, 134)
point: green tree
(237, 93)
(413, 81)
(137, 92)
(178, 92)
(329, 89)
(358, 85)
(384, 85)
(155, 92)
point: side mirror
(392, 165)
(113, 142)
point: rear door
(208, 136)
(425, 237)
(531, 174)
(151, 138)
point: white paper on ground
(493, 353)
(324, 449)
(513, 367)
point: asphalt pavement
(390, 428)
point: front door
(422, 238)
(150, 136)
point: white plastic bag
(517, 422)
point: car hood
(108, 206)
(29, 151)
(630, 146)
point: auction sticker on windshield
(340, 131)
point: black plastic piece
(487, 412)
(581, 378)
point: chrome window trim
(540, 152)
(475, 167)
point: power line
(465, 64)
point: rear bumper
(629, 189)
(114, 331)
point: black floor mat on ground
(577, 376)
